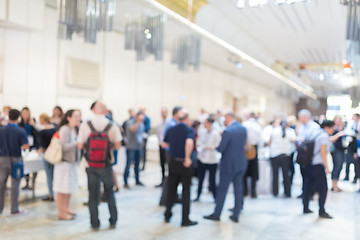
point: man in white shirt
(96, 175)
(254, 130)
(160, 134)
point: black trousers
(283, 162)
(179, 174)
(143, 155)
(202, 168)
(349, 158)
(315, 174)
(162, 162)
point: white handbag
(53, 153)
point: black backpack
(305, 152)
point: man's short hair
(14, 114)
(184, 117)
(305, 113)
(357, 115)
(327, 123)
(140, 113)
(252, 115)
(230, 114)
(176, 110)
(93, 105)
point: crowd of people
(187, 149)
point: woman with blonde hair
(45, 136)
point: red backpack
(98, 146)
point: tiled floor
(140, 217)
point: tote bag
(53, 153)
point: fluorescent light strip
(305, 90)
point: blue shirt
(12, 137)
(147, 124)
(321, 139)
(308, 131)
(176, 136)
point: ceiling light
(239, 65)
(336, 76)
(240, 4)
(321, 77)
(253, 3)
(291, 1)
(262, 2)
(279, 2)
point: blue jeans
(338, 160)
(132, 155)
(49, 170)
(95, 177)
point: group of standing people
(216, 141)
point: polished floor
(140, 216)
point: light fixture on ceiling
(240, 4)
(239, 65)
(280, 2)
(256, 3)
(291, 1)
(253, 3)
(321, 77)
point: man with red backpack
(97, 137)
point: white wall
(34, 75)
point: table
(33, 162)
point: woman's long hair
(64, 120)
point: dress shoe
(212, 217)
(95, 228)
(300, 196)
(126, 186)
(188, 223)
(196, 199)
(167, 217)
(307, 211)
(354, 181)
(234, 219)
(346, 178)
(112, 226)
(159, 186)
(325, 215)
(48, 199)
(140, 184)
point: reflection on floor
(140, 217)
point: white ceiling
(305, 32)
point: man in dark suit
(232, 166)
(180, 141)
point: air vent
(82, 73)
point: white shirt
(208, 140)
(161, 130)
(253, 131)
(279, 144)
(99, 122)
(308, 130)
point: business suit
(233, 165)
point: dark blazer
(232, 148)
